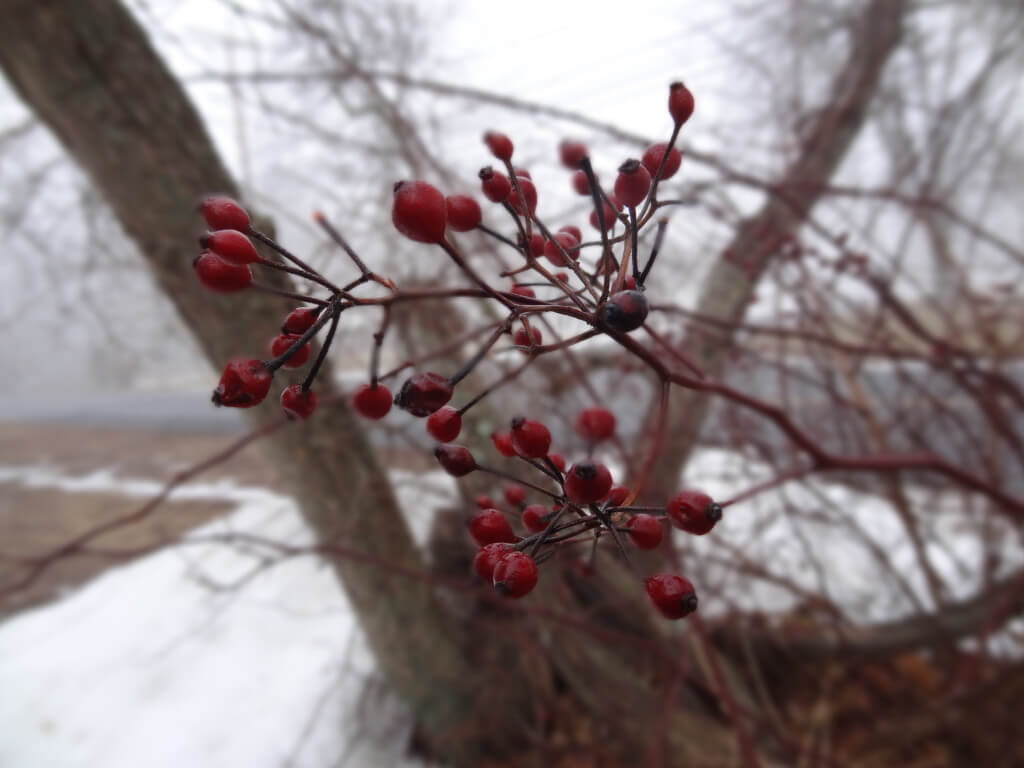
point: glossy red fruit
(536, 517)
(672, 595)
(300, 320)
(521, 339)
(464, 213)
(515, 575)
(680, 103)
(617, 495)
(224, 213)
(523, 290)
(561, 241)
(424, 393)
(595, 424)
(298, 404)
(231, 245)
(624, 311)
(529, 195)
(558, 460)
(372, 402)
(419, 211)
(444, 424)
(571, 153)
(652, 159)
(574, 231)
(514, 494)
(499, 144)
(282, 343)
(587, 482)
(503, 443)
(489, 526)
(693, 512)
(243, 384)
(530, 438)
(218, 276)
(632, 184)
(456, 460)
(487, 557)
(645, 531)
(580, 183)
(496, 186)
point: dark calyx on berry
(423, 394)
(624, 311)
(243, 384)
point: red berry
(574, 231)
(515, 575)
(529, 194)
(521, 339)
(587, 482)
(680, 103)
(558, 460)
(444, 424)
(536, 517)
(463, 213)
(572, 153)
(568, 243)
(419, 211)
(536, 244)
(298, 404)
(372, 402)
(629, 283)
(423, 394)
(652, 159)
(595, 424)
(484, 501)
(499, 144)
(530, 438)
(563, 276)
(580, 183)
(632, 184)
(496, 186)
(231, 245)
(218, 276)
(672, 595)
(224, 213)
(514, 494)
(625, 311)
(243, 384)
(523, 290)
(282, 343)
(645, 531)
(693, 512)
(489, 526)
(617, 495)
(487, 558)
(300, 320)
(503, 443)
(609, 215)
(456, 460)
(522, 172)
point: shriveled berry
(672, 595)
(693, 511)
(503, 443)
(617, 495)
(499, 144)
(571, 153)
(632, 184)
(231, 245)
(527, 203)
(515, 575)
(530, 438)
(496, 186)
(372, 402)
(444, 424)
(483, 501)
(521, 339)
(624, 311)
(580, 183)
(488, 526)
(464, 213)
(298, 403)
(523, 290)
(536, 517)
(652, 159)
(224, 213)
(300, 320)
(243, 384)
(645, 530)
(595, 424)
(424, 393)
(419, 212)
(282, 343)
(456, 460)
(559, 243)
(680, 103)
(487, 557)
(514, 494)
(558, 460)
(587, 482)
(218, 276)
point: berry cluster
(604, 293)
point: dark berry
(298, 403)
(224, 213)
(300, 320)
(595, 424)
(231, 245)
(243, 384)
(680, 103)
(463, 213)
(424, 393)
(693, 512)
(536, 517)
(652, 159)
(645, 531)
(419, 212)
(559, 243)
(456, 460)
(672, 595)
(515, 574)
(499, 144)
(530, 438)
(496, 186)
(487, 558)
(372, 402)
(571, 153)
(503, 443)
(587, 482)
(444, 424)
(529, 195)
(624, 311)
(632, 184)
(489, 526)
(514, 494)
(218, 276)
(282, 343)
(521, 339)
